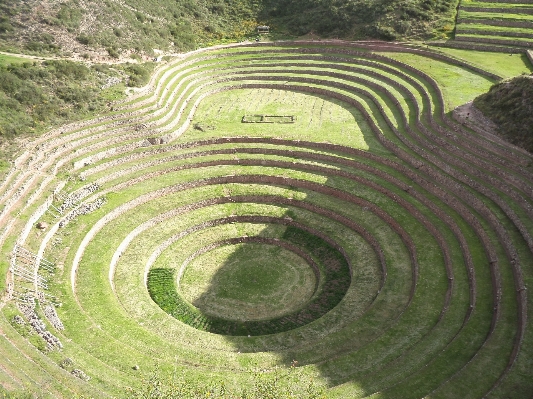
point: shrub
(113, 52)
(65, 68)
(139, 74)
(86, 40)
(69, 15)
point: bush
(139, 74)
(86, 40)
(5, 27)
(29, 94)
(67, 69)
(41, 47)
(33, 95)
(69, 15)
(113, 52)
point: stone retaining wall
(477, 47)
(388, 47)
(529, 54)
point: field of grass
(375, 247)
(501, 64)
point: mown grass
(502, 64)
(450, 78)
(248, 281)
(162, 288)
(495, 36)
(487, 4)
(9, 59)
(495, 16)
(367, 343)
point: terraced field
(503, 25)
(373, 244)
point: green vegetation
(501, 64)
(248, 281)
(263, 386)
(162, 288)
(139, 74)
(387, 20)
(510, 105)
(414, 231)
(495, 24)
(35, 96)
(140, 26)
(11, 60)
(458, 85)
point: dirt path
(30, 57)
(470, 115)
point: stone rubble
(28, 310)
(73, 199)
(83, 209)
(110, 82)
(53, 318)
(80, 374)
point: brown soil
(469, 115)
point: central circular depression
(248, 281)
(324, 258)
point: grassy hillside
(35, 95)
(115, 28)
(122, 28)
(510, 105)
(383, 19)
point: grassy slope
(139, 26)
(501, 64)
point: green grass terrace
(374, 245)
(506, 26)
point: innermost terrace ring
(256, 279)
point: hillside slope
(383, 19)
(118, 28)
(510, 105)
(124, 28)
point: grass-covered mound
(510, 105)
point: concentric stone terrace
(374, 242)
